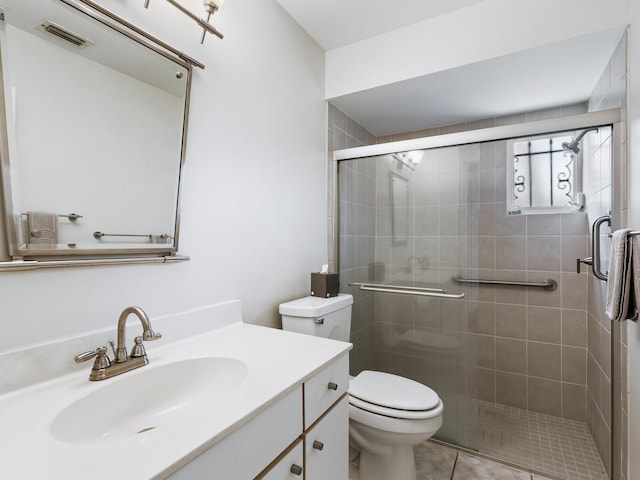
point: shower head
(572, 146)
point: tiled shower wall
(527, 346)
(599, 178)
(357, 227)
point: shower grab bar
(595, 246)
(549, 284)
(425, 292)
(401, 287)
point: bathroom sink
(151, 399)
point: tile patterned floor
(438, 462)
(553, 446)
(556, 448)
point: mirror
(93, 145)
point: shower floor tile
(543, 443)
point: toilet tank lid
(315, 306)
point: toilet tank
(322, 317)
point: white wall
(254, 207)
(488, 29)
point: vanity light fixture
(211, 6)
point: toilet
(388, 414)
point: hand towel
(43, 228)
(634, 245)
(619, 278)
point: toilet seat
(393, 396)
(393, 412)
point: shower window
(545, 176)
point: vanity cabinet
(304, 435)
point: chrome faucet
(147, 334)
(103, 368)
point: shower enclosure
(509, 359)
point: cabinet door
(327, 445)
(290, 467)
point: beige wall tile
(543, 224)
(482, 317)
(544, 324)
(511, 355)
(512, 253)
(574, 247)
(511, 321)
(544, 360)
(575, 223)
(543, 253)
(574, 328)
(574, 402)
(509, 224)
(486, 384)
(574, 365)
(574, 291)
(512, 295)
(486, 351)
(544, 396)
(540, 297)
(511, 389)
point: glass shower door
(409, 221)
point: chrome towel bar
(406, 290)
(99, 235)
(71, 216)
(549, 284)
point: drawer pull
(318, 445)
(332, 386)
(296, 469)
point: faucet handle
(84, 356)
(138, 348)
(102, 360)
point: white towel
(634, 309)
(43, 228)
(619, 282)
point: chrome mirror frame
(22, 259)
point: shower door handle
(595, 246)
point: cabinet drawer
(324, 389)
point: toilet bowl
(388, 414)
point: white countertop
(277, 362)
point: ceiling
(335, 23)
(497, 87)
